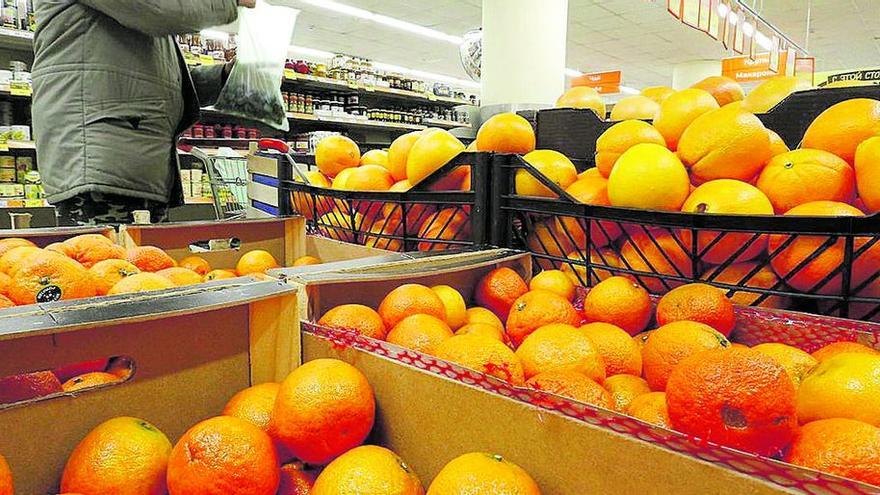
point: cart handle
(273, 144)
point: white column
(523, 52)
(686, 74)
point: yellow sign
(20, 88)
(206, 59)
(289, 74)
(4, 147)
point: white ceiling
(636, 36)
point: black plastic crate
(574, 132)
(436, 219)
(745, 255)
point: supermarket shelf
(445, 124)
(16, 39)
(364, 124)
(234, 143)
(21, 145)
(319, 83)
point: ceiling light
(310, 52)
(748, 29)
(629, 91)
(385, 20)
(723, 10)
(763, 41)
(732, 18)
(573, 73)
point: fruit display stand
(190, 349)
(222, 243)
(574, 132)
(437, 217)
(604, 452)
(665, 249)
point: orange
(697, 302)
(47, 277)
(642, 338)
(89, 249)
(560, 347)
(341, 181)
(740, 274)
(485, 329)
(375, 157)
(590, 172)
(56, 247)
(506, 133)
(802, 176)
(555, 281)
(721, 197)
(571, 385)
(652, 253)
(634, 107)
(421, 333)
(429, 153)
(648, 176)
(324, 408)
(777, 145)
(843, 447)
(546, 238)
(219, 275)
(223, 454)
(534, 309)
(313, 177)
(256, 261)
(150, 259)
(5, 280)
(254, 404)
(843, 386)
(738, 398)
(296, 480)
(837, 348)
(651, 408)
(107, 273)
(620, 137)
(340, 226)
(5, 302)
(867, 168)
(456, 310)
(593, 191)
(303, 202)
(483, 354)
(6, 485)
(674, 342)
(484, 474)
(809, 277)
(728, 143)
(482, 315)
(447, 224)
(724, 89)
(398, 154)
(180, 276)
(388, 227)
(618, 350)
(498, 290)
(12, 260)
(307, 261)
(678, 112)
(624, 389)
(582, 97)
(410, 299)
(602, 257)
(796, 362)
(842, 127)
(770, 92)
(89, 380)
(124, 456)
(196, 264)
(355, 318)
(369, 178)
(335, 154)
(140, 282)
(620, 302)
(551, 164)
(11, 243)
(658, 93)
(368, 469)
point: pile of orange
(92, 265)
(409, 160)
(669, 364)
(301, 436)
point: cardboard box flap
(65, 316)
(44, 237)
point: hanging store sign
(749, 69)
(603, 82)
(867, 76)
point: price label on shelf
(352, 85)
(20, 88)
(190, 59)
(206, 59)
(431, 96)
(289, 74)
(4, 146)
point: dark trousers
(106, 209)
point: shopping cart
(228, 177)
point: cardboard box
(192, 350)
(223, 243)
(431, 411)
(44, 237)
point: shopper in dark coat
(111, 95)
